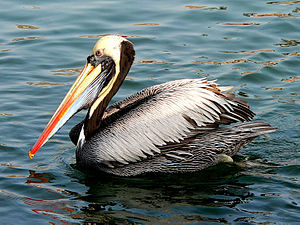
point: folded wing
(141, 125)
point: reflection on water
(288, 43)
(66, 72)
(20, 26)
(144, 199)
(26, 38)
(205, 7)
(44, 84)
(267, 14)
(37, 177)
(240, 24)
(284, 2)
(212, 195)
(147, 24)
(154, 62)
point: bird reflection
(151, 198)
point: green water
(253, 46)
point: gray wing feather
(156, 116)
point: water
(252, 45)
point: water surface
(253, 46)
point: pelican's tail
(254, 129)
(229, 140)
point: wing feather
(143, 124)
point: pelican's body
(167, 128)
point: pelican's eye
(98, 53)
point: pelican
(172, 127)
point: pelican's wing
(140, 125)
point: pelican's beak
(95, 75)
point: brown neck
(93, 121)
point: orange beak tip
(30, 155)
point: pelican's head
(99, 80)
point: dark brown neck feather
(91, 125)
